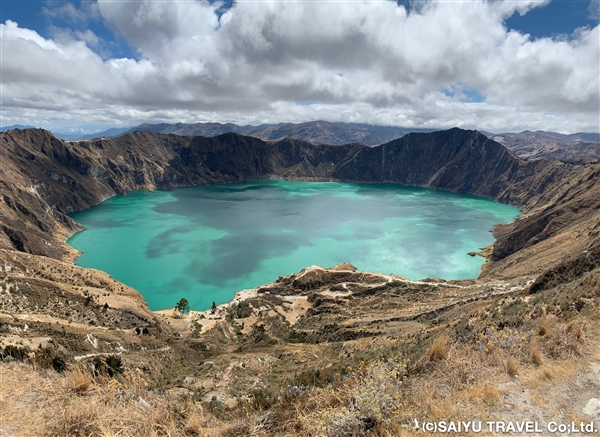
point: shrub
(242, 310)
(262, 398)
(14, 352)
(314, 377)
(59, 364)
(218, 408)
(565, 341)
(490, 395)
(110, 366)
(114, 365)
(43, 357)
(378, 393)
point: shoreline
(240, 296)
(245, 294)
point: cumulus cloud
(371, 62)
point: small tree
(183, 306)
(213, 308)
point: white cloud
(594, 10)
(359, 61)
(70, 13)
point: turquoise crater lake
(205, 243)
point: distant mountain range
(15, 126)
(109, 133)
(579, 147)
(316, 132)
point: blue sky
(487, 65)
(559, 17)
(45, 18)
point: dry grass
(491, 395)
(451, 380)
(439, 348)
(565, 341)
(545, 325)
(511, 366)
(42, 404)
(546, 374)
(535, 355)
(78, 379)
(577, 330)
(73, 403)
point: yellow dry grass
(511, 366)
(491, 395)
(78, 379)
(44, 403)
(439, 348)
(535, 354)
(461, 386)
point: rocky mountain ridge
(580, 147)
(316, 132)
(44, 178)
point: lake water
(205, 243)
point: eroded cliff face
(43, 179)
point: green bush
(114, 365)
